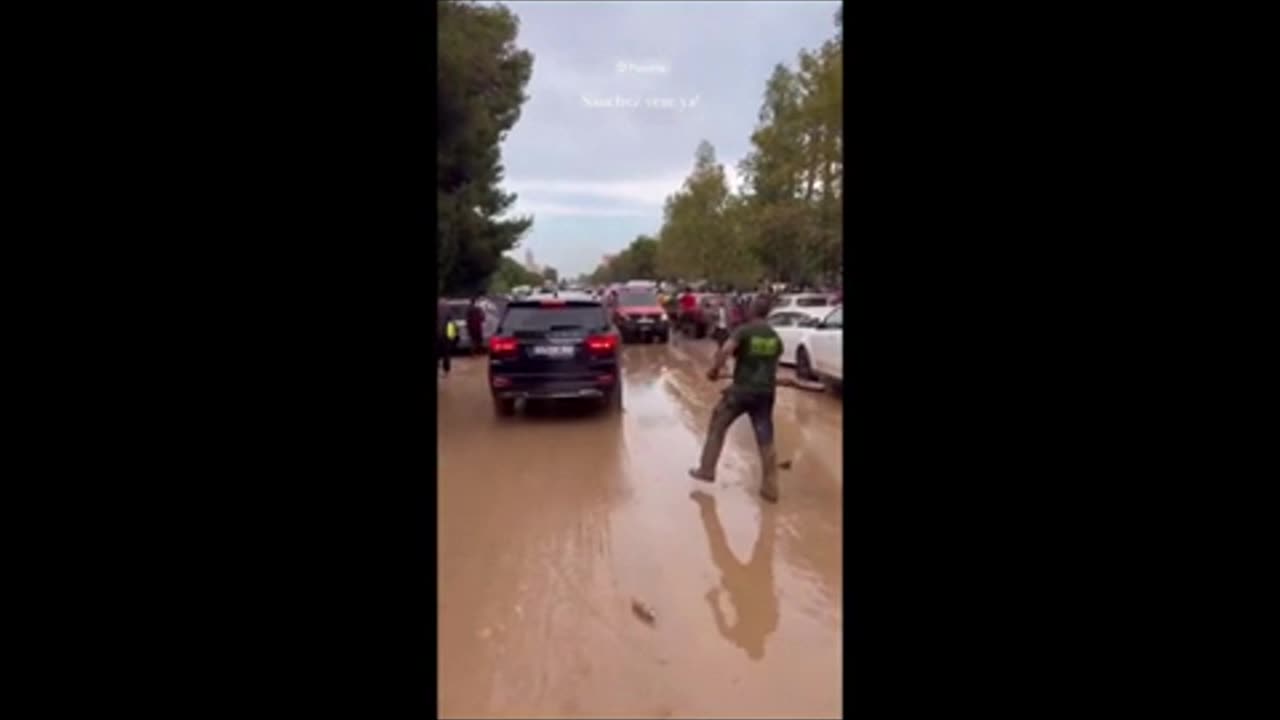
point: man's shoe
(769, 468)
(697, 474)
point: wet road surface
(552, 522)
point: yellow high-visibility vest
(451, 330)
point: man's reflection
(750, 586)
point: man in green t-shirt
(755, 348)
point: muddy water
(553, 522)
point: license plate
(645, 321)
(553, 351)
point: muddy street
(553, 523)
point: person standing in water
(755, 347)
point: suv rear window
(812, 302)
(538, 319)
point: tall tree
(481, 81)
(787, 223)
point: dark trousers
(477, 339)
(732, 405)
(444, 348)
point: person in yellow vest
(446, 335)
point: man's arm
(722, 354)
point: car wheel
(504, 407)
(804, 370)
(664, 337)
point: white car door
(828, 345)
(784, 323)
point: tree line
(787, 222)
(480, 89)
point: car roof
(568, 298)
(815, 312)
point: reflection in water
(750, 586)
(643, 365)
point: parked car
(820, 352)
(699, 322)
(638, 315)
(555, 348)
(805, 300)
(792, 325)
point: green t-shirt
(755, 367)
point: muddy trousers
(760, 408)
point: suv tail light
(602, 344)
(502, 346)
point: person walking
(444, 344)
(475, 326)
(755, 347)
(721, 333)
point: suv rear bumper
(508, 387)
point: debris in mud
(644, 612)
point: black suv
(554, 348)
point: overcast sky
(595, 176)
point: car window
(532, 319)
(835, 319)
(812, 302)
(809, 321)
(782, 302)
(782, 320)
(637, 298)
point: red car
(638, 315)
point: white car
(805, 300)
(820, 352)
(792, 325)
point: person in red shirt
(688, 304)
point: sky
(590, 158)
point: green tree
(701, 225)
(794, 174)
(637, 261)
(481, 81)
(787, 223)
(511, 274)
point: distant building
(529, 264)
